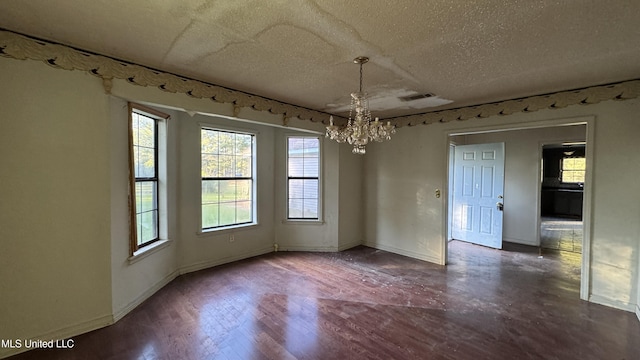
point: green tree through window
(227, 178)
(145, 158)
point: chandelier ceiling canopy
(360, 129)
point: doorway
(561, 196)
(523, 185)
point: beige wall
(54, 202)
(403, 215)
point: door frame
(589, 122)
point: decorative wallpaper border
(21, 47)
(591, 95)
(16, 46)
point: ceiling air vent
(414, 97)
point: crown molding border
(21, 47)
(591, 95)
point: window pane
(226, 166)
(310, 167)
(296, 146)
(573, 170)
(243, 144)
(244, 213)
(148, 226)
(145, 172)
(227, 142)
(209, 141)
(295, 208)
(227, 199)
(243, 166)
(296, 188)
(310, 209)
(145, 162)
(227, 190)
(303, 168)
(227, 213)
(310, 189)
(311, 147)
(146, 196)
(296, 167)
(143, 130)
(210, 215)
(243, 190)
(210, 191)
(210, 165)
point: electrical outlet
(232, 238)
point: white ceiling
(300, 51)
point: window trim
(254, 180)
(320, 218)
(159, 118)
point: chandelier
(360, 130)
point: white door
(478, 185)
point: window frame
(253, 178)
(319, 218)
(159, 119)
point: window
(144, 169)
(303, 185)
(227, 166)
(573, 170)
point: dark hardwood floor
(369, 304)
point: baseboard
(638, 311)
(308, 248)
(411, 254)
(614, 304)
(120, 313)
(521, 242)
(60, 334)
(207, 264)
(349, 245)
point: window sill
(225, 230)
(302, 222)
(148, 250)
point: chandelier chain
(360, 77)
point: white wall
(54, 202)
(522, 175)
(403, 215)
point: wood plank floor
(369, 304)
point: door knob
(500, 206)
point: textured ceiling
(300, 52)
